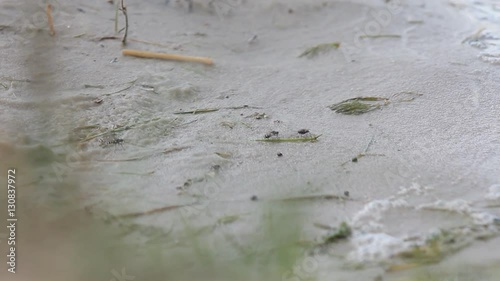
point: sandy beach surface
(170, 151)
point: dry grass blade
(150, 212)
(166, 56)
(405, 96)
(50, 20)
(136, 174)
(88, 86)
(474, 37)
(297, 139)
(106, 133)
(131, 84)
(166, 151)
(314, 197)
(225, 155)
(116, 16)
(381, 36)
(197, 111)
(228, 219)
(321, 48)
(359, 105)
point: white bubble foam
(493, 192)
(458, 206)
(375, 246)
(372, 212)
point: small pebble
(254, 198)
(346, 193)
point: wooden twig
(165, 56)
(124, 11)
(50, 20)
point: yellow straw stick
(165, 56)
(48, 11)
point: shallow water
(431, 164)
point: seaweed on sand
(344, 231)
(428, 253)
(440, 245)
(361, 105)
(321, 48)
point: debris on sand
(321, 48)
(271, 134)
(223, 154)
(312, 138)
(50, 20)
(344, 231)
(313, 198)
(361, 105)
(153, 211)
(197, 111)
(166, 56)
(380, 36)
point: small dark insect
(280, 154)
(215, 168)
(271, 134)
(346, 193)
(115, 141)
(109, 142)
(355, 159)
(254, 198)
(303, 131)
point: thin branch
(50, 20)
(124, 11)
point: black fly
(113, 141)
(303, 131)
(271, 134)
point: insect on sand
(303, 131)
(105, 142)
(271, 134)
